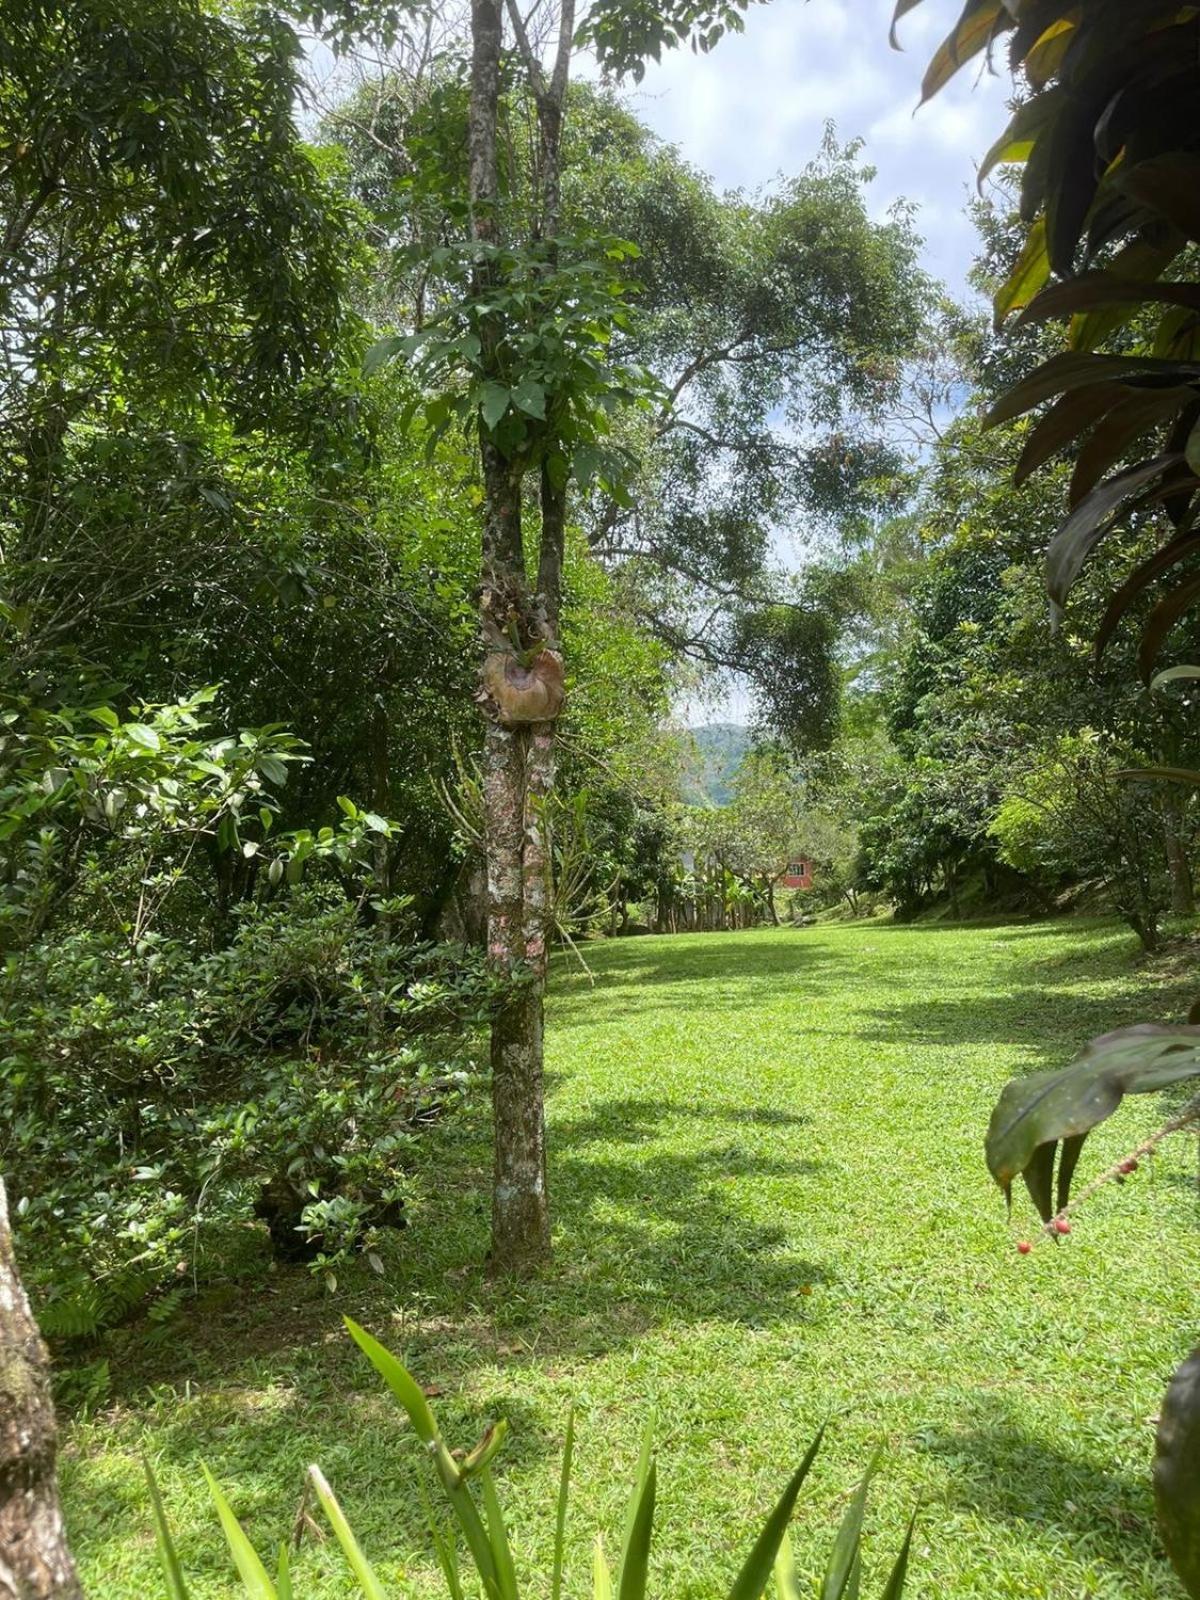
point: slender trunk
(1179, 866)
(35, 1563)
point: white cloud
(757, 106)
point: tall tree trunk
(35, 1563)
(1179, 866)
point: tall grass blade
(601, 1576)
(560, 1514)
(895, 1584)
(283, 1576)
(399, 1380)
(840, 1572)
(344, 1534)
(167, 1553)
(786, 1587)
(636, 1560)
(498, 1537)
(253, 1574)
(443, 1543)
(635, 1496)
(756, 1573)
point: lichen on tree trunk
(35, 1563)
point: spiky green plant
(481, 1523)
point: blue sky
(757, 106)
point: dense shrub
(204, 1018)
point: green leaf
(493, 404)
(530, 397)
(1018, 139)
(786, 1587)
(560, 1511)
(970, 34)
(844, 1558)
(399, 1380)
(253, 1574)
(899, 1575)
(167, 1553)
(1027, 277)
(1173, 675)
(140, 734)
(1034, 1113)
(1187, 775)
(1129, 419)
(1064, 422)
(355, 1560)
(601, 1577)
(1169, 611)
(283, 1575)
(1077, 369)
(1191, 451)
(1091, 519)
(760, 1563)
(506, 1575)
(635, 1559)
(381, 352)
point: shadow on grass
(996, 1466)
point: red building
(798, 875)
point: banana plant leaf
(1035, 1114)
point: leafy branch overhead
(1108, 145)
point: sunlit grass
(771, 1209)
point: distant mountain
(717, 750)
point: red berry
(1024, 1247)
(1128, 1166)
(1061, 1225)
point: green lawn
(771, 1208)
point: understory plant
(206, 1019)
(472, 1502)
(1037, 1132)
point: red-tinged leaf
(1162, 620)
(1037, 1112)
(1066, 419)
(1077, 369)
(1091, 520)
(1139, 580)
(1141, 410)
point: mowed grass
(771, 1210)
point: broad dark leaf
(1064, 422)
(1077, 369)
(1094, 289)
(1141, 410)
(1027, 277)
(1169, 185)
(1091, 520)
(1139, 580)
(1033, 1114)
(1162, 621)
(1177, 1473)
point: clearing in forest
(771, 1208)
